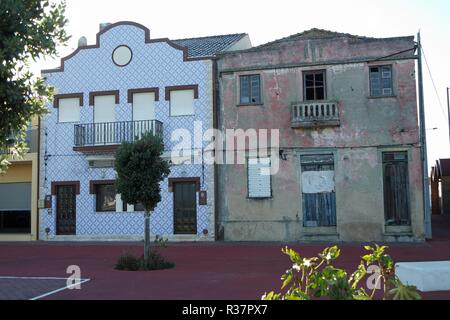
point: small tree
(29, 29)
(140, 169)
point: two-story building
(349, 153)
(122, 86)
(19, 192)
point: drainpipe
(423, 140)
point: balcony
(310, 114)
(107, 136)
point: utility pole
(423, 140)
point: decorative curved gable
(109, 28)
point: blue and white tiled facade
(154, 64)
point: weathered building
(122, 86)
(440, 187)
(345, 107)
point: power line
(434, 85)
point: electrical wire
(434, 85)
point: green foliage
(128, 262)
(131, 262)
(140, 169)
(29, 29)
(316, 277)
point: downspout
(215, 94)
(38, 175)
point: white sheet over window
(69, 110)
(143, 106)
(317, 181)
(259, 184)
(182, 102)
(104, 109)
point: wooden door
(318, 190)
(396, 200)
(185, 207)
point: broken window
(318, 190)
(250, 89)
(314, 85)
(395, 183)
(381, 81)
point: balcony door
(143, 113)
(104, 116)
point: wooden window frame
(248, 77)
(314, 72)
(380, 79)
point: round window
(122, 56)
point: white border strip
(78, 282)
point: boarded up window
(259, 178)
(395, 183)
(318, 190)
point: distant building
(19, 193)
(440, 187)
(350, 165)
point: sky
(266, 21)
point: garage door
(15, 196)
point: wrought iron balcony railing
(315, 114)
(111, 133)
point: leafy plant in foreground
(316, 277)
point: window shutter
(259, 178)
(143, 106)
(182, 102)
(69, 110)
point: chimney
(82, 42)
(104, 25)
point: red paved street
(203, 270)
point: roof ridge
(215, 36)
(305, 33)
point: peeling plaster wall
(368, 126)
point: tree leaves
(316, 277)
(140, 169)
(29, 29)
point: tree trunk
(147, 238)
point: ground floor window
(105, 198)
(15, 221)
(318, 190)
(395, 185)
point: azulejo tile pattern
(153, 65)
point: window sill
(259, 198)
(382, 97)
(182, 115)
(249, 104)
